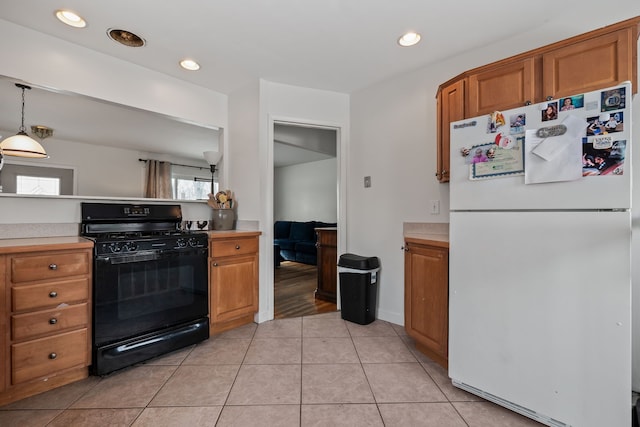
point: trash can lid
(358, 262)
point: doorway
(305, 201)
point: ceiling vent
(125, 37)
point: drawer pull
(53, 356)
(53, 266)
(237, 246)
(53, 321)
(53, 294)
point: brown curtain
(158, 182)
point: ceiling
(338, 45)
(82, 119)
(295, 144)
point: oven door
(141, 293)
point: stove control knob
(193, 242)
(115, 247)
(131, 246)
(181, 243)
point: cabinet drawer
(50, 266)
(29, 325)
(220, 248)
(49, 294)
(46, 356)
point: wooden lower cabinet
(327, 245)
(233, 279)
(45, 298)
(426, 297)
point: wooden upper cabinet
(590, 65)
(501, 88)
(587, 62)
(450, 109)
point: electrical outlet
(435, 207)
(367, 181)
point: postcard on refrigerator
(492, 161)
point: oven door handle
(127, 259)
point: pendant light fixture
(21, 145)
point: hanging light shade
(21, 145)
(212, 157)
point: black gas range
(150, 288)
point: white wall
(53, 63)
(393, 139)
(99, 170)
(278, 102)
(306, 192)
(243, 152)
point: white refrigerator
(539, 264)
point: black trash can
(358, 287)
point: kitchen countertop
(30, 244)
(440, 240)
(221, 234)
(435, 234)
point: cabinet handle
(215, 264)
(52, 356)
(53, 321)
(405, 248)
(53, 294)
(53, 266)
(444, 172)
(527, 102)
(237, 246)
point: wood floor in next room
(294, 287)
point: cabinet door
(450, 109)
(234, 287)
(427, 298)
(327, 265)
(507, 86)
(4, 315)
(589, 65)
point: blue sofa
(296, 240)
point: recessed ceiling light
(409, 39)
(189, 64)
(71, 18)
(125, 37)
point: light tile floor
(307, 371)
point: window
(30, 179)
(37, 185)
(192, 188)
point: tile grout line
(235, 378)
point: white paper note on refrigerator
(556, 158)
